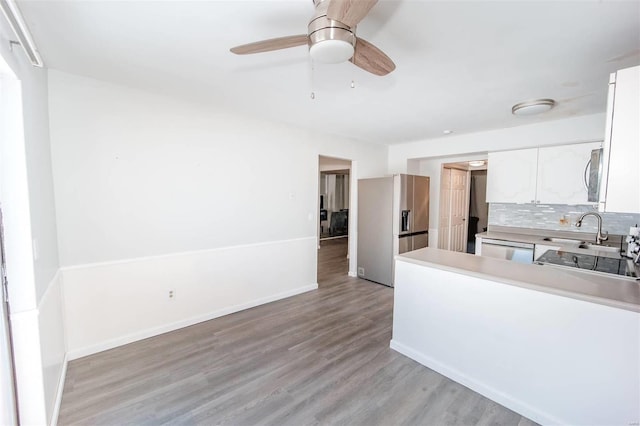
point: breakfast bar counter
(557, 346)
(610, 290)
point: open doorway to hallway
(334, 189)
(463, 208)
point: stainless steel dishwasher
(507, 250)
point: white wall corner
(59, 391)
(28, 368)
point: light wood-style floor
(322, 357)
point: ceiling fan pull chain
(312, 80)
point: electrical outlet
(360, 271)
(171, 294)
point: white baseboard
(508, 401)
(352, 274)
(56, 407)
(110, 344)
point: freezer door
(404, 244)
(419, 241)
(420, 211)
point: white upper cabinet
(620, 185)
(561, 173)
(549, 175)
(511, 176)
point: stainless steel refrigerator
(393, 218)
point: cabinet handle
(584, 175)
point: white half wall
(156, 194)
(115, 303)
(553, 359)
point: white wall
(27, 198)
(572, 130)
(155, 194)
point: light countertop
(617, 292)
(537, 236)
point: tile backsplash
(559, 217)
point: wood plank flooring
(322, 357)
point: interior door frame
(352, 235)
(445, 243)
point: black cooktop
(620, 266)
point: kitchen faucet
(600, 237)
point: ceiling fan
(331, 37)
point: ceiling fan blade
(371, 59)
(349, 12)
(271, 44)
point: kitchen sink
(564, 241)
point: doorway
(478, 207)
(463, 208)
(334, 201)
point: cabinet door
(511, 176)
(622, 144)
(561, 171)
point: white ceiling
(461, 65)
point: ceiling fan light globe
(331, 51)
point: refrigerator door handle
(405, 220)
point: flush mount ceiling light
(476, 163)
(537, 106)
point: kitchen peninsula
(557, 346)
